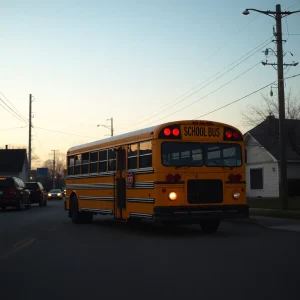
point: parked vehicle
(37, 193)
(55, 194)
(14, 193)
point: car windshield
(195, 154)
(31, 185)
(55, 191)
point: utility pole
(30, 126)
(54, 168)
(111, 127)
(278, 15)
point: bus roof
(114, 138)
(138, 134)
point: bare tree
(60, 166)
(269, 107)
(256, 114)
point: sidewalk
(272, 222)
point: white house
(263, 154)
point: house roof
(267, 134)
(12, 160)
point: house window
(256, 179)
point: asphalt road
(44, 256)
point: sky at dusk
(140, 62)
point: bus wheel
(78, 217)
(210, 226)
(74, 211)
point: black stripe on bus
(168, 182)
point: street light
(278, 14)
(111, 127)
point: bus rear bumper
(195, 213)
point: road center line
(18, 247)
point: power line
(265, 43)
(293, 5)
(64, 132)
(11, 111)
(228, 104)
(13, 107)
(208, 93)
(12, 128)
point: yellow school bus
(177, 172)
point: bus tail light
(177, 177)
(173, 178)
(235, 177)
(170, 178)
(172, 196)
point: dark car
(55, 194)
(13, 192)
(37, 193)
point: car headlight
(172, 196)
(236, 195)
(59, 194)
(49, 195)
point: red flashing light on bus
(176, 132)
(167, 131)
(233, 135)
(236, 135)
(228, 134)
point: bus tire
(210, 226)
(74, 211)
(78, 217)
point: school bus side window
(71, 165)
(111, 160)
(132, 156)
(85, 163)
(145, 155)
(103, 161)
(77, 164)
(94, 162)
